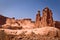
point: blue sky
(28, 8)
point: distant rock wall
(2, 20)
(57, 24)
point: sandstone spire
(38, 19)
(47, 19)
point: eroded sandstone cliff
(43, 28)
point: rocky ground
(46, 33)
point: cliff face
(2, 20)
(57, 24)
(41, 21)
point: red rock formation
(2, 20)
(38, 19)
(57, 24)
(47, 19)
(44, 21)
